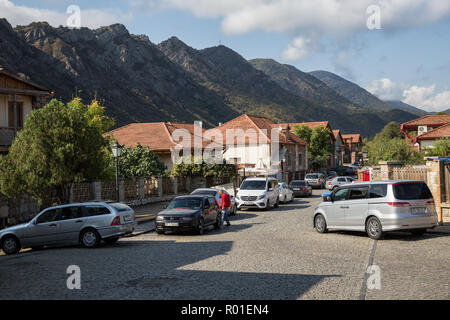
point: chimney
(220, 123)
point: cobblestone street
(273, 254)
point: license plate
(296, 189)
(418, 210)
(248, 203)
(172, 224)
(127, 218)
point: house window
(300, 160)
(289, 160)
(17, 114)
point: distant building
(18, 97)
(421, 133)
(353, 148)
(339, 148)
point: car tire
(277, 204)
(11, 245)
(112, 240)
(90, 238)
(320, 224)
(234, 210)
(201, 226)
(219, 224)
(418, 232)
(374, 228)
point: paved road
(263, 255)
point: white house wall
(251, 154)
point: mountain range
(139, 81)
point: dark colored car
(216, 195)
(300, 188)
(189, 213)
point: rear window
(120, 207)
(312, 176)
(96, 210)
(298, 183)
(411, 191)
(205, 192)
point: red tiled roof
(354, 138)
(337, 133)
(429, 120)
(440, 132)
(156, 135)
(262, 126)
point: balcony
(6, 136)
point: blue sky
(407, 59)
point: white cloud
(298, 49)
(92, 18)
(426, 98)
(327, 16)
(422, 97)
(386, 89)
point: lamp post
(117, 152)
(365, 155)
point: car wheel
(277, 204)
(320, 224)
(112, 240)
(90, 238)
(374, 229)
(201, 226)
(11, 245)
(234, 210)
(418, 232)
(219, 224)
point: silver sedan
(81, 223)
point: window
(300, 159)
(186, 203)
(341, 180)
(71, 213)
(378, 191)
(48, 216)
(15, 114)
(359, 193)
(411, 191)
(96, 210)
(340, 194)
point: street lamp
(365, 154)
(117, 152)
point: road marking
(362, 295)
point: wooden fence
(409, 173)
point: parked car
(377, 207)
(336, 182)
(189, 213)
(349, 171)
(215, 193)
(259, 193)
(286, 193)
(332, 174)
(85, 223)
(315, 180)
(301, 188)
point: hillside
(404, 106)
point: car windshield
(185, 203)
(298, 183)
(206, 192)
(411, 191)
(253, 185)
(312, 176)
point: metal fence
(150, 186)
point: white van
(260, 193)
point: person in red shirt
(225, 206)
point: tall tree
(318, 138)
(59, 144)
(140, 161)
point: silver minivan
(376, 207)
(78, 223)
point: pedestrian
(225, 205)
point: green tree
(204, 169)
(58, 145)
(318, 138)
(389, 145)
(441, 148)
(139, 162)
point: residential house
(158, 137)
(339, 148)
(254, 153)
(18, 97)
(353, 148)
(421, 133)
(323, 124)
